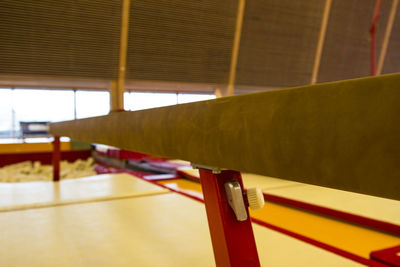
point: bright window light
(43, 105)
(92, 103)
(5, 112)
(187, 98)
(32, 105)
(141, 100)
(127, 99)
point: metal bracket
(233, 192)
(235, 199)
(214, 170)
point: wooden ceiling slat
(181, 41)
(279, 41)
(60, 38)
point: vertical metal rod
(386, 38)
(321, 40)
(233, 241)
(123, 49)
(235, 48)
(373, 36)
(56, 159)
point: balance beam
(343, 135)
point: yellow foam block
(14, 196)
(158, 230)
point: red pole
(373, 57)
(56, 159)
(372, 32)
(233, 240)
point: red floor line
(305, 239)
(188, 176)
(345, 216)
(349, 217)
(314, 242)
(181, 192)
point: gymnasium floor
(121, 220)
(346, 239)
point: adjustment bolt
(255, 198)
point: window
(187, 98)
(92, 103)
(33, 105)
(6, 121)
(43, 105)
(145, 100)
(141, 100)
(127, 103)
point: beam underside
(343, 135)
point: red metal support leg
(233, 240)
(56, 159)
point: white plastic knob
(256, 198)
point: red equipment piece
(388, 257)
(56, 159)
(233, 241)
(372, 31)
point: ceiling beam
(117, 88)
(229, 90)
(321, 40)
(386, 38)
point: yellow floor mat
(16, 196)
(354, 239)
(159, 230)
